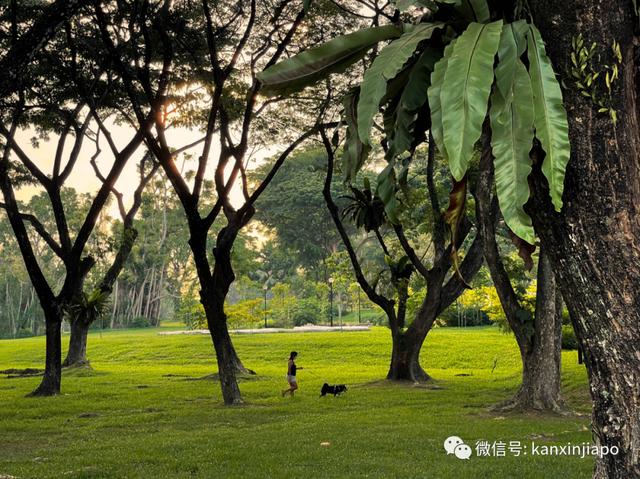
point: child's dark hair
(293, 355)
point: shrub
(245, 314)
(191, 313)
(139, 322)
(458, 315)
(569, 340)
(382, 320)
(306, 311)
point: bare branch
(23, 157)
(45, 294)
(63, 138)
(41, 230)
(386, 304)
(439, 227)
(410, 252)
(114, 191)
(75, 151)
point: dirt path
(309, 328)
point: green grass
(139, 414)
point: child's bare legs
(292, 388)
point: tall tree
(241, 39)
(293, 208)
(89, 306)
(593, 242)
(442, 287)
(61, 93)
(539, 337)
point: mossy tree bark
(594, 242)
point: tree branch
(487, 211)
(439, 227)
(387, 305)
(42, 231)
(409, 251)
(29, 43)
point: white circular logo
(462, 451)
(451, 443)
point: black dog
(335, 390)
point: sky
(84, 179)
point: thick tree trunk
(594, 243)
(50, 384)
(77, 353)
(405, 359)
(546, 355)
(539, 343)
(214, 289)
(219, 317)
(541, 355)
(228, 362)
(407, 344)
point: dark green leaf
(437, 79)
(306, 68)
(552, 128)
(386, 190)
(465, 92)
(512, 132)
(413, 97)
(355, 152)
(475, 10)
(384, 68)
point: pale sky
(83, 177)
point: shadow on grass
(216, 377)
(22, 373)
(385, 383)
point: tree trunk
(405, 359)
(539, 338)
(405, 356)
(407, 343)
(220, 317)
(50, 384)
(77, 354)
(541, 355)
(594, 242)
(214, 289)
(228, 362)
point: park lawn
(142, 412)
